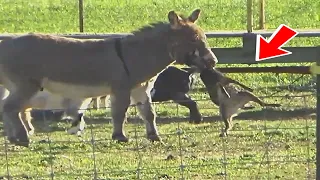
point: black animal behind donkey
(174, 84)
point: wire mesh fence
(265, 143)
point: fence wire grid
(265, 143)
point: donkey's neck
(147, 55)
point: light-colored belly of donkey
(47, 101)
(75, 91)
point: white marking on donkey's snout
(210, 55)
(74, 90)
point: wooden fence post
(249, 16)
(262, 15)
(81, 15)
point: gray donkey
(114, 66)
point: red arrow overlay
(271, 48)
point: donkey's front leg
(120, 101)
(14, 127)
(146, 112)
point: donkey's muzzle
(210, 59)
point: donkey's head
(188, 41)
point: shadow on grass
(271, 114)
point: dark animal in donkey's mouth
(113, 66)
(227, 96)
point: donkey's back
(57, 64)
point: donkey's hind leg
(16, 130)
(120, 101)
(146, 112)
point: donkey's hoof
(154, 137)
(22, 135)
(22, 143)
(19, 142)
(120, 138)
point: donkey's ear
(194, 15)
(174, 20)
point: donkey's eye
(196, 38)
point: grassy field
(265, 143)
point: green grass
(255, 149)
(264, 144)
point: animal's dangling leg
(15, 128)
(226, 119)
(120, 101)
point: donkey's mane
(150, 30)
(153, 29)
